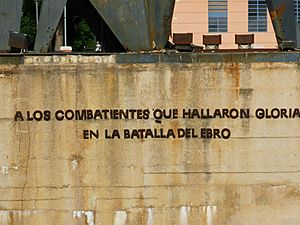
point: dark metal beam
(140, 25)
(51, 12)
(284, 22)
(10, 20)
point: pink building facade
(202, 17)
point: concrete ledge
(167, 57)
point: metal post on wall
(36, 13)
(65, 26)
(65, 48)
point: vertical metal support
(284, 22)
(65, 26)
(298, 35)
(159, 19)
(37, 13)
(10, 20)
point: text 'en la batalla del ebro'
(160, 133)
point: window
(257, 16)
(297, 10)
(217, 15)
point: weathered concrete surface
(51, 175)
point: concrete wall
(51, 174)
